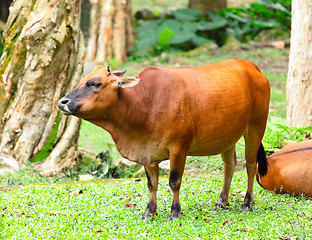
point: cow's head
(95, 93)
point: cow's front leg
(152, 174)
(177, 164)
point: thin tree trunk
(111, 32)
(299, 80)
(207, 5)
(42, 60)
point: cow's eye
(96, 85)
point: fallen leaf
(129, 205)
(242, 193)
(128, 199)
(147, 230)
(17, 213)
(227, 222)
(247, 229)
(98, 231)
(207, 219)
(74, 193)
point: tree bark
(299, 80)
(42, 60)
(111, 31)
(207, 5)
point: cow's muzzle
(67, 106)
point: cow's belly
(217, 135)
(218, 142)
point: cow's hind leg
(253, 137)
(229, 163)
(152, 174)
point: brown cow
(290, 170)
(177, 112)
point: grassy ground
(111, 210)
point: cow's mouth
(64, 105)
(65, 111)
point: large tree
(205, 5)
(299, 81)
(111, 32)
(42, 60)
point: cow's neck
(127, 122)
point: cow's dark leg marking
(152, 174)
(177, 163)
(173, 180)
(248, 202)
(229, 163)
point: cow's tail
(262, 161)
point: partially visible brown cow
(290, 170)
(175, 112)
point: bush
(185, 29)
(278, 134)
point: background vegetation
(185, 29)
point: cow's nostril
(64, 101)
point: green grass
(111, 210)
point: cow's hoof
(220, 206)
(247, 207)
(147, 215)
(174, 215)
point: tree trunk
(299, 80)
(111, 31)
(207, 5)
(42, 60)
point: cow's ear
(119, 73)
(128, 82)
(108, 71)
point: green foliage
(278, 134)
(246, 23)
(104, 168)
(187, 28)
